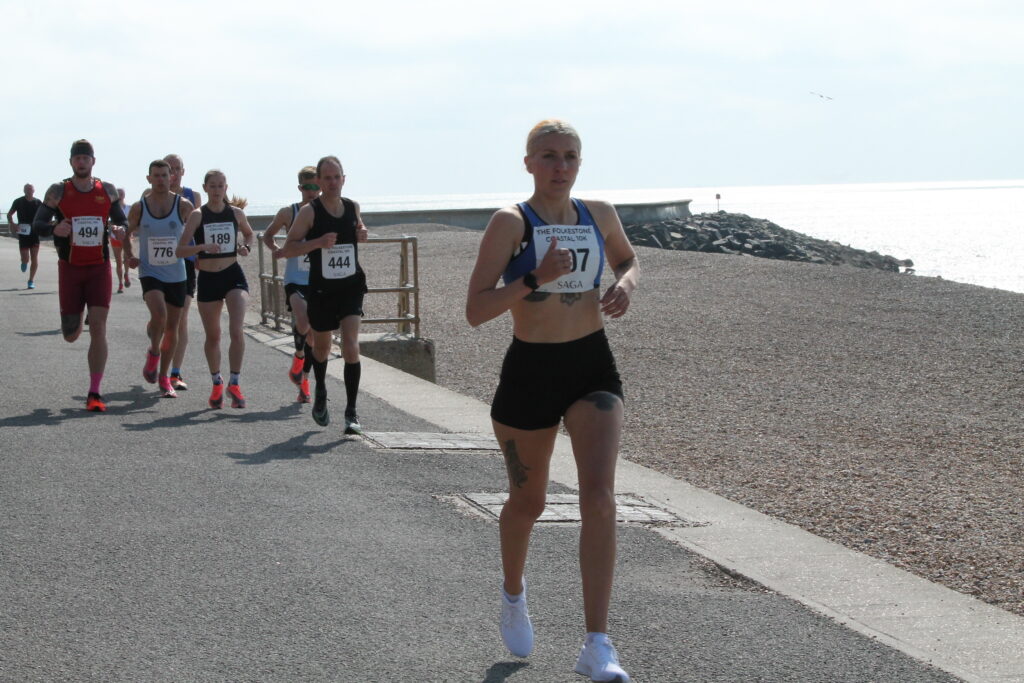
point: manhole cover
(564, 508)
(433, 441)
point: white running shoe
(516, 629)
(599, 660)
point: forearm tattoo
(516, 469)
(624, 267)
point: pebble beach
(878, 410)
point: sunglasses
(309, 186)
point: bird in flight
(824, 97)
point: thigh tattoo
(516, 469)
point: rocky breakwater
(737, 233)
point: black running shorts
(174, 292)
(215, 285)
(539, 382)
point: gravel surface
(877, 410)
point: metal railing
(407, 316)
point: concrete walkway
(166, 541)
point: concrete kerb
(951, 631)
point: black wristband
(530, 280)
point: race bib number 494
(221, 234)
(87, 231)
(338, 262)
(582, 243)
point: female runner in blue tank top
(550, 252)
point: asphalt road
(164, 541)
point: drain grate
(433, 441)
(564, 508)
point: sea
(965, 231)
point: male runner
(328, 229)
(159, 218)
(28, 238)
(196, 199)
(296, 283)
(88, 211)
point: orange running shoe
(235, 392)
(295, 372)
(167, 391)
(217, 396)
(304, 391)
(94, 403)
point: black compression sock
(352, 373)
(309, 359)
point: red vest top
(88, 212)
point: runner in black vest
(329, 229)
(28, 238)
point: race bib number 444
(222, 234)
(338, 262)
(87, 231)
(583, 244)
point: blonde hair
(549, 127)
(307, 173)
(238, 202)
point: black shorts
(174, 292)
(326, 308)
(293, 288)
(539, 382)
(215, 285)
(28, 241)
(190, 278)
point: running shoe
(295, 372)
(94, 403)
(516, 629)
(167, 389)
(352, 425)
(235, 392)
(178, 383)
(217, 396)
(599, 661)
(31, 285)
(120, 289)
(24, 267)
(150, 371)
(303, 391)
(320, 414)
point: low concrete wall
(476, 219)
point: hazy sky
(436, 98)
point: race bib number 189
(87, 231)
(222, 234)
(338, 262)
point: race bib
(303, 263)
(161, 251)
(582, 243)
(338, 262)
(222, 234)
(87, 231)
(25, 229)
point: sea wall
(476, 219)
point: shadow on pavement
(502, 670)
(294, 448)
(40, 333)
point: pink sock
(94, 382)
